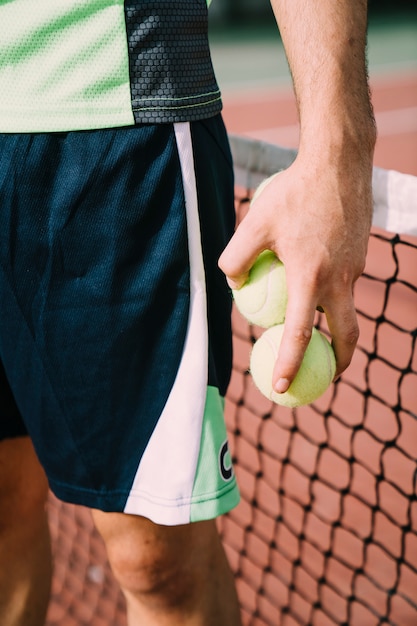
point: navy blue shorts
(115, 339)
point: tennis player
(116, 202)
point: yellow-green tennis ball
(263, 298)
(313, 378)
(262, 186)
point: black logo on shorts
(225, 470)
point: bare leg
(171, 576)
(25, 553)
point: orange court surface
(320, 537)
(271, 115)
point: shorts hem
(161, 511)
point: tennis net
(327, 530)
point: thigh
(11, 421)
(23, 484)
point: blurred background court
(326, 533)
(258, 101)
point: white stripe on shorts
(163, 485)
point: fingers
(304, 297)
(343, 327)
(298, 326)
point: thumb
(249, 240)
(241, 253)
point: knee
(152, 572)
(159, 566)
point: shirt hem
(66, 121)
(21, 122)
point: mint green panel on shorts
(215, 491)
(64, 65)
(186, 475)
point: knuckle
(352, 335)
(226, 263)
(346, 347)
(296, 345)
(350, 328)
(302, 336)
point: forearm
(325, 45)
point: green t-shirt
(83, 64)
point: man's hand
(316, 215)
(317, 222)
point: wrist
(339, 120)
(339, 139)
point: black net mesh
(326, 533)
(327, 530)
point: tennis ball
(262, 186)
(262, 300)
(313, 378)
